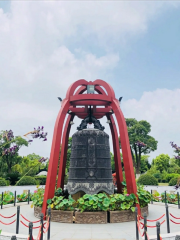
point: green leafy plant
(58, 192)
(143, 196)
(92, 203)
(8, 198)
(38, 197)
(24, 197)
(170, 198)
(147, 179)
(60, 203)
(123, 202)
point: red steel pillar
(62, 165)
(117, 156)
(53, 162)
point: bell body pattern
(90, 163)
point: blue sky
(45, 46)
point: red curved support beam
(64, 147)
(108, 87)
(117, 156)
(126, 152)
(72, 88)
(81, 90)
(53, 162)
(92, 97)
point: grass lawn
(163, 184)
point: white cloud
(162, 110)
(40, 56)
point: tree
(177, 151)
(140, 140)
(26, 164)
(113, 162)
(144, 164)
(9, 148)
(161, 162)
(173, 166)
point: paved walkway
(60, 231)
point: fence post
(15, 198)
(165, 198)
(167, 219)
(151, 197)
(13, 238)
(178, 200)
(17, 219)
(158, 229)
(2, 200)
(49, 216)
(30, 231)
(145, 226)
(42, 225)
(28, 196)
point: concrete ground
(60, 231)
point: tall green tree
(140, 140)
(9, 148)
(162, 162)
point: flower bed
(92, 208)
(91, 217)
(56, 215)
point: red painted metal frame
(76, 98)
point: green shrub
(147, 179)
(171, 175)
(3, 182)
(157, 175)
(173, 181)
(13, 177)
(27, 180)
(41, 180)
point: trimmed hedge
(173, 181)
(3, 182)
(41, 180)
(27, 180)
(147, 179)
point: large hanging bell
(90, 163)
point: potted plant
(144, 198)
(122, 207)
(37, 199)
(62, 209)
(92, 208)
(24, 197)
(8, 198)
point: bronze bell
(90, 163)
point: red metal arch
(69, 106)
